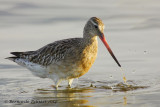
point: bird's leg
(57, 82)
(70, 82)
(77, 81)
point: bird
(65, 59)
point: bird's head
(95, 27)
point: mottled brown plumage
(65, 59)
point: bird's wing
(50, 53)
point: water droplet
(124, 79)
(112, 88)
(145, 52)
(91, 85)
(134, 71)
(110, 76)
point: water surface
(132, 30)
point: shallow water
(132, 31)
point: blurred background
(131, 29)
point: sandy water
(132, 31)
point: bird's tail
(16, 56)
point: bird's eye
(96, 26)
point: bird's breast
(87, 58)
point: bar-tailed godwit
(65, 59)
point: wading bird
(65, 59)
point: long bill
(109, 49)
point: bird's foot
(53, 86)
(56, 87)
(68, 86)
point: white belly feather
(36, 69)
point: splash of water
(124, 78)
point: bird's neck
(89, 39)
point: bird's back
(50, 53)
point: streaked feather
(50, 53)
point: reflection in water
(124, 100)
(61, 98)
(82, 96)
(75, 97)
